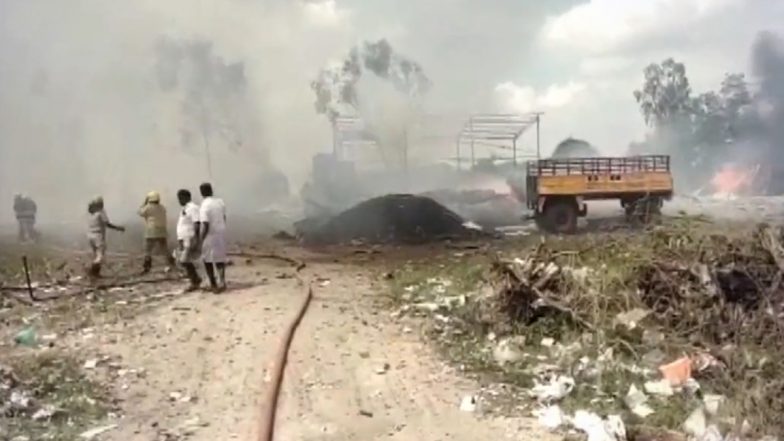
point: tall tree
(666, 93)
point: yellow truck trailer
(557, 189)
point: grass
(610, 273)
(56, 379)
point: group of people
(201, 235)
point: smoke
(768, 70)
(214, 107)
(336, 86)
(118, 100)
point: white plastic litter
(696, 424)
(712, 403)
(661, 388)
(548, 342)
(711, 433)
(508, 350)
(556, 389)
(550, 417)
(637, 402)
(598, 429)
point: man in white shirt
(188, 225)
(212, 215)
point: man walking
(25, 210)
(188, 226)
(155, 234)
(212, 216)
(96, 234)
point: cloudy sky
(77, 84)
(577, 61)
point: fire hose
(270, 401)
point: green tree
(666, 93)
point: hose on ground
(270, 402)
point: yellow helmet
(153, 196)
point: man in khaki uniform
(155, 234)
(97, 225)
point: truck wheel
(560, 216)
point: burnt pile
(394, 218)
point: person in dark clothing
(25, 210)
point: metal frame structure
(496, 130)
(350, 131)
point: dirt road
(353, 373)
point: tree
(666, 93)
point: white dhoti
(214, 247)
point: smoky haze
(120, 99)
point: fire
(732, 180)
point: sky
(80, 112)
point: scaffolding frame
(350, 131)
(496, 131)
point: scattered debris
(712, 402)
(661, 388)
(383, 369)
(508, 350)
(550, 417)
(598, 429)
(637, 402)
(366, 413)
(26, 337)
(555, 389)
(678, 372)
(45, 413)
(696, 424)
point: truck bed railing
(599, 166)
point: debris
(91, 363)
(598, 429)
(550, 417)
(20, 401)
(677, 372)
(366, 413)
(383, 369)
(547, 342)
(711, 433)
(630, 319)
(636, 401)
(661, 388)
(26, 337)
(695, 424)
(44, 413)
(509, 350)
(704, 361)
(468, 404)
(556, 389)
(712, 403)
(93, 433)
(397, 218)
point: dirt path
(204, 360)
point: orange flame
(732, 180)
